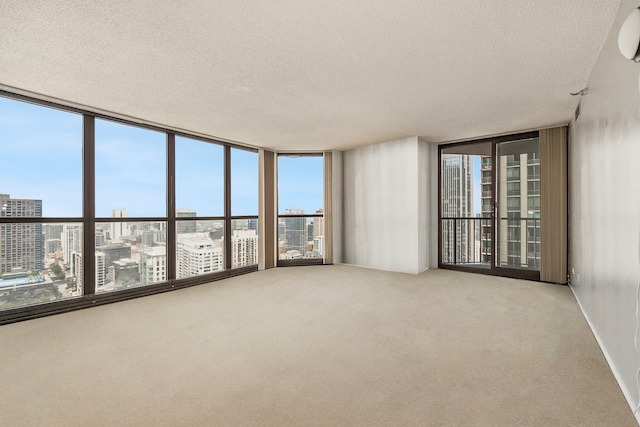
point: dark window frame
(300, 261)
(494, 269)
(89, 220)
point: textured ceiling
(310, 75)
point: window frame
(88, 220)
(301, 261)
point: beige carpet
(316, 346)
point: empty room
(296, 213)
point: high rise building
(153, 265)
(124, 273)
(318, 245)
(52, 245)
(519, 209)
(244, 248)
(101, 269)
(295, 230)
(71, 241)
(77, 268)
(197, 254)
(21, 244)
(105, 257)
(318, 224)
(101, 238)
(52, 231)
(119, 229)
(486, 239)
(458, 235)
(186, 226)
(310, 231)
(114, 252)
(148, 237)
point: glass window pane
(300, 192)
(131, 165)
(292, 237)
(244, 182)
(244, 242)
(39, 263)
(41, 152)
(199, 178)
(300, 184)
(199, 248)
(514, 196)
(300, 237)
(137, 258)
(465, 194)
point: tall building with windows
(153, 265)
(519, 202)
(459, 235)
(519, 209)
(486, 227)
(52, 231)
(318, 224)
(244, 248)
(109, 255)
(295, 231)
(318, 244)
(186, 226)
(124, 273)
(101, 269)
(21, 244)
(119, 229)
(71, 241)
(198, 254)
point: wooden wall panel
(553, 205)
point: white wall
(604, 207)
(386, 221)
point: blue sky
(41, 153)
(300, 183)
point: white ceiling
(311, 75)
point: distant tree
(57, 271)
(71, 285)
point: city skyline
(42, 153)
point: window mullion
(88, 205)
(227, 208)
(171, 207)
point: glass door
(490, 206)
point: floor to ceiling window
(97, 209)
(301, 236)
(40, 203)
(200, 225)
(131, 211)
(244, 208)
